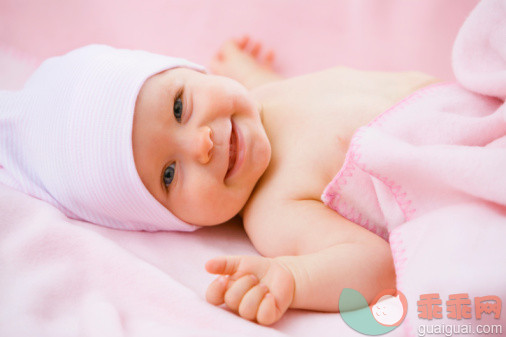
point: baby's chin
(214, 214)
(213, 219)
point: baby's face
(188, 129)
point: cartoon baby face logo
(386, 312)
(390, 308)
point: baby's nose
(203, 145)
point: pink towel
(441, 146)
(429, 175)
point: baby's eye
(168, 174)
(178, 109)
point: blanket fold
(428, 175)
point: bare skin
(310, 252)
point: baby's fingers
(238, 289)
(251, 301)
(226, 265)
(268, 312)
(216, 291)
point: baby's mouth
(232, 149)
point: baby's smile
(236, 150)
(199, 144)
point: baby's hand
(255, 287)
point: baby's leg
(240, 59)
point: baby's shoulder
(265, 219)
(291, 175)
(282, 183)
(339, 80)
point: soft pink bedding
(429, 176)
(61, 277)
(369, 35)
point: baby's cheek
(205, 207)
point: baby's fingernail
(254, 277)
(222, 279)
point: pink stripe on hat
(66, 138)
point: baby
(133, 140)
(267, 154)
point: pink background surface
(367, 34)
(307, 36)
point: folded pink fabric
(66, 137)
(441, 146)
(479, 53)
(429, 175)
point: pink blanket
(60, 277)
(430, 175)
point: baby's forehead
(180, 74)
(170, 81)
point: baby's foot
(242, 60)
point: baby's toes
(216, 64)
(242, 42)
(236, 292)
(228, 51)
(250, 302)
(268, 59)
(215, 293)
(220, 63)
(255, 49)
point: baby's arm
(322, 252)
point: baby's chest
(314, 155)
(311, 120)
(310, 148)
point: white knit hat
(66, 138)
